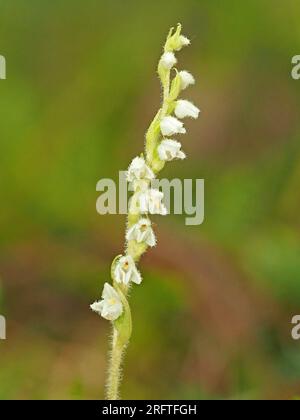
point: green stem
(114, 371)
(166, 93)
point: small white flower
(138, 169)
(168, 60)
(170, 125)
(126, 271)
(150, 201)
(183, 42)
(170, 149)
(142, 232)
(186, 78)
(186, 109)
(110, 307)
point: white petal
(138, 169)
(169, 150)
(112, 312)
(110, 307)
(162, 152)
(109, 292)
(151, 240)
(181, 155)
(97, 306)
(171, 125)
(127, 277)
(118, 274)
(143, 202)
(186, 109)
(126, 271)
(130, 235)
(184, 41)
(168, 60)
(115, 312)
(136, 276)
(187, 79)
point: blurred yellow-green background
(213, 316)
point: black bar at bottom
(102, 409)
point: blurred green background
(212, 318)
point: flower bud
(168, 60)
(187, 79)
(185, 108)
(176, 41)
(171, 125)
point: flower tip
(184, 41)
(95, 307)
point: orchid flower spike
(160, 148)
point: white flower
(170, 125)
(170, 149)
(150, 201)
(110, 307)
(139, 170)
(186, 109)
(142, 232)
(126, 271)
(168, 60)
(184, 40)
(186, 78)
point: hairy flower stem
(118, 347)
(114, 370)
(166, 93)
